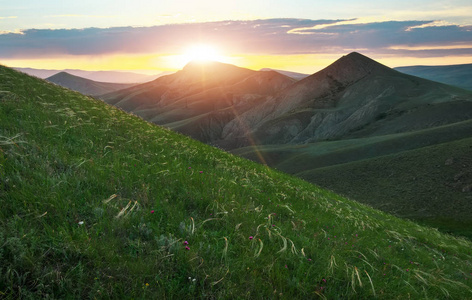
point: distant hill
(85, 86)
(100, 76)
(98, 203)
(457, 75)
(294, 75)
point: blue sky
(308, 34)
(105, 13)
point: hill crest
(85, 86)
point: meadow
(98, 203)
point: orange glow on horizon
(156, 63)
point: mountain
(100, 76)
(294, 75)
(457, 75)
(98, 203)
(85, 86)
(200, 99)
(353, 97)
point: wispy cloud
(269, 37)
(10, 17)
(81, 16)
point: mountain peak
(352, 67)
(60, 75)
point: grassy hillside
(298, 158)
(384, 171)
(97, 203)
(431, 184)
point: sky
(298, 35)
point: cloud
(10, 17)
(270, 36)
(81, 16)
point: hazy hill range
(97, 203)
(458, 75)
(100, 76)
(200, 99)
(85, 86)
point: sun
(202, 53)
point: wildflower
(187, 248)
(189, 168)
(201, 172)
(147, 284)
(81, 223)
(152, 211)
(251, 237)
(185, 243)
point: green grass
(96, 203)
(405, 174)
(430, 184)
(295, 159)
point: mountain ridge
(85, 86)
(351, 93)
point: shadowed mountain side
(294, 159)
(85, 86)
(431, 184)
(379, 170)
(200, 96)
(457, 75)
(354, 93)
